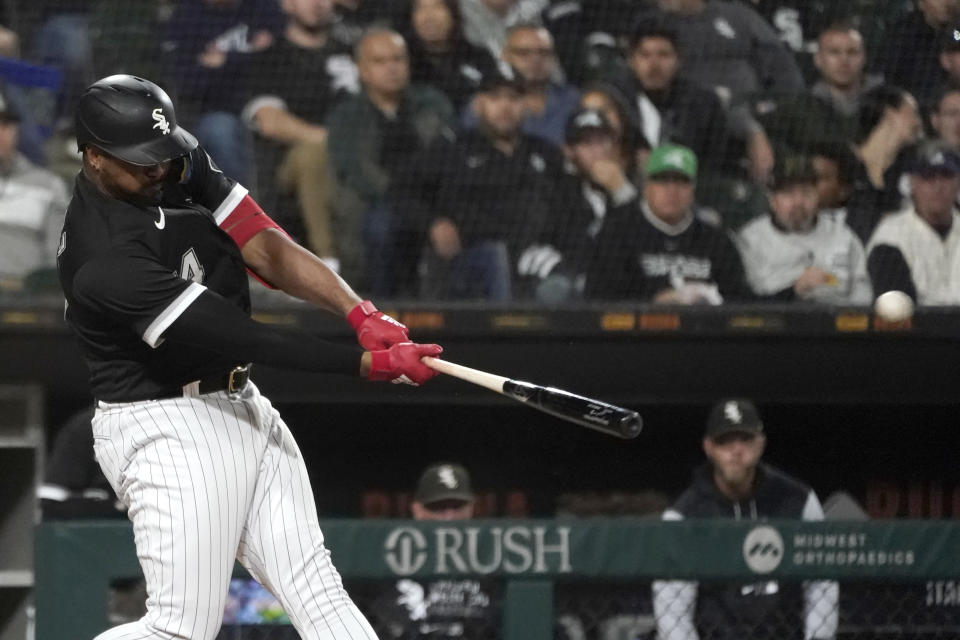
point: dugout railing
(897, 579)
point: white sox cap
(444, 481)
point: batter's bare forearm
(294, 270)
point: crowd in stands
(666, 151)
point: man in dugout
(412, 608)
(734, 483)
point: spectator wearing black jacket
(595, 183)
(662, 249)
(910, 56)
(440, 55)
(734, 483)
(670, 108)
(481, 198)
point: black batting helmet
(132, 119)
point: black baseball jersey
(129, 271)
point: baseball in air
(893, 306)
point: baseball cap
(933, 157)
(672, 158)
(8, 111)
(791, 170)
(444, 481)
(733, 415)
(503, 76)
(584, 121)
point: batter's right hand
(401, 363)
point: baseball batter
(153, 261)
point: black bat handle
(593, 414)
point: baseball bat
(586, 412)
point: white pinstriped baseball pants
(208, 479)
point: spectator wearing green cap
(664, 250)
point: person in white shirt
(32, 202)
(917, 250)
(798, 251)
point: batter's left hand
(401, 363)
(376, 330)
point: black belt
(232, 381)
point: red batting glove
(401, 363)
(375, 330)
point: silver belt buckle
(239, 376)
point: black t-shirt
(457, 74)
(129, 271)
(307, 81)
(488, 194)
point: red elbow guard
(247, 220)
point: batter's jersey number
(190, 267)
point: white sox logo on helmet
(161, 120)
